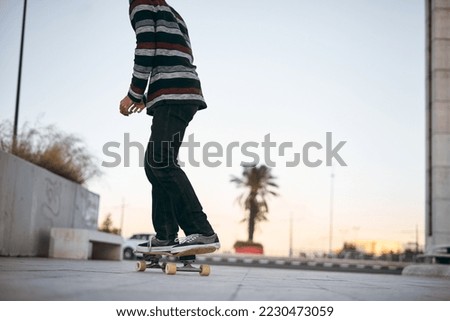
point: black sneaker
(197, 241)
(156, 245)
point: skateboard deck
(171, 263)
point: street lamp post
(291, 250)
(330, 245)
(16, 114)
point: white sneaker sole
(195, 247)
(166, 249)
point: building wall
(32, 201)
(438, 124)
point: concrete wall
(438, 125)
(32, 201)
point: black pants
(174, 202)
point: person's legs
(164, 221)
(173, 188)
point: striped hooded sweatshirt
(163, 63)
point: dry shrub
(48, 147)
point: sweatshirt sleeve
(143, 23)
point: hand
(127, 106)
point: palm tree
(258, 181)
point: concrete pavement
(23, 279)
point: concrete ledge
(430, 270)
(33, 200)
(82, 244)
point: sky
(292, 69)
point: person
(163, 65)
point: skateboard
(171, 263)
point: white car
(131, 243)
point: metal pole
(16, 115)
(417, 239)
(330, 246)
(122, 216)
(291, 251)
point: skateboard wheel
(205, 270)
(171, 269)
(141, 266)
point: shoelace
(186, 239)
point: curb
(363, 267)
(430, 270)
